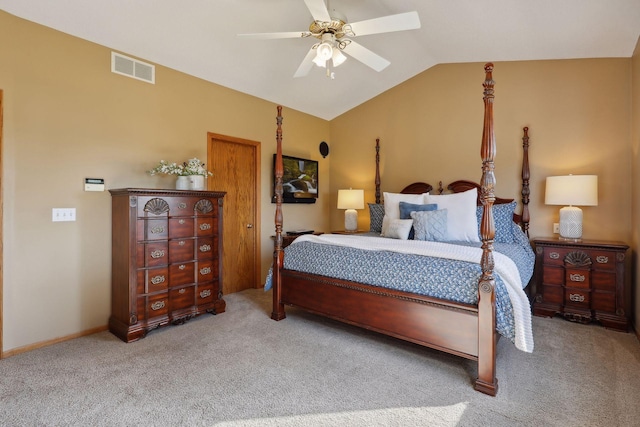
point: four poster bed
(464, 326)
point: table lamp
(571, 191)
(350, 200)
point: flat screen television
(299, 180)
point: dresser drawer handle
(205, 270)
(205, 293)
(205, 248)
(181, 243)
(575, 277)
(182, 205)
(601, 259)
(554, 255)
(182, 221)
(182, 267)
(157, 305)
(157, 280)
(182, 291)
(157, 230)
(576, 297)
(205, 226)
(157, 254)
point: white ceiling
(199, 37)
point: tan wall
(67, 117)
(635, 182)
(430, 126)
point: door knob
(249, 225)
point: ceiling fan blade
(306, 65)
(268, 36)
(318, 10)
(365, 56)
(387, 24)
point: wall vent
(126, 66)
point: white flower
(191, 167)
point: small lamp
(580, 190)
(350, 200)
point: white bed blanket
(503, 266)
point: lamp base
(571, 223)
(351, 220)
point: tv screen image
(299, 179)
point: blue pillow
(430, 225)
(503, 218)
(376, 214)
(407, 208)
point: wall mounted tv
(299, 180)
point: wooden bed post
(278, 256)
(525, 181)
(377, 171)
(487, 381)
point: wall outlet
(556, 228)
(63, 214)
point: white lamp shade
(350, 199)
(338, 57)
(572, 190)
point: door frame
(1, 235)
(257, 256)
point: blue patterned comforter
(442, 278)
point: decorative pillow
(503, 218)
(430, 225)
(376, 214)
(462, 223)
(392, 202)
(398, 228)
(407, 208)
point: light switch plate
(63, 214)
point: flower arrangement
(190, 167)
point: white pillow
(392, 205)
(462, 223)
(398, 228)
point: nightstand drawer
(604, 301)
(604, 259)
(553, 294)
(577, 298)
(577, 278)
(555, 256)
(603, 281)
(553, 275)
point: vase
(182, 183)
(196, 182)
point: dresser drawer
(207, 270)
(182, 297)
(206, 226)
(180, 227)
(181, 250)
(182, 273)
(152, 229)
(577, 278)
(577, 298)
(206, 294)
(205, 248)
(153, 280)
(153, 254)
(153, 306)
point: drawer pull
(205, 293)
(554, 255)
(157, 230)
(157, 305)
(157, 280)
(182, 291)
(182, 267)
(575, 277)
(205, 226)
(205, 248)
(182, 221)
(182, 205)
(601, 259)
(205, 270)
(576, 297)
(181, 243)
(157, 254)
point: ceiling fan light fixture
(319, 61)
(338, 57)
(325, 51)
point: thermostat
(94, 184)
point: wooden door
(1, 237)
(236, 169)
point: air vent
(126, 66)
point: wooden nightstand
(582, 281)
(288, 238)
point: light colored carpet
(241, 368)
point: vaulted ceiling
(199, 37)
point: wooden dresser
(166, 266)
(583, 281)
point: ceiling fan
(335, 35)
